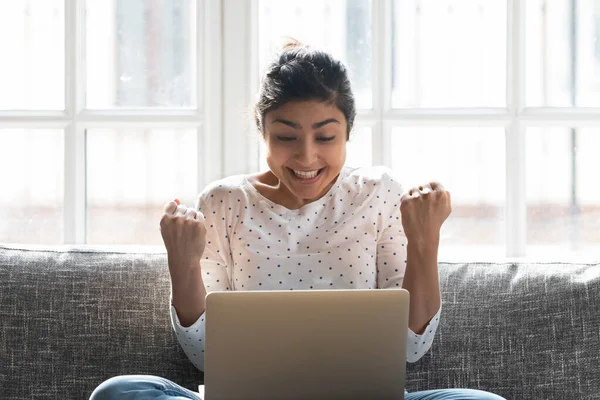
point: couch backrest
(72, 317)
(524, 331)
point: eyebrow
(295, 125)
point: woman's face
(306, 147)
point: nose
(306, 153)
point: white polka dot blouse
(350, 238)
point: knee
(482, 395)
(464, 394)
(112, 388)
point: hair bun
(290, 43)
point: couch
(73, 316)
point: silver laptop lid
(334, 344)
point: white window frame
(514, 118)
(75, 119)
(227, 67)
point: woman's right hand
(184, 234)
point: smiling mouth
(307, 176)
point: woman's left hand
(424, 209)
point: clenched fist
(184, 234)
(424, 210)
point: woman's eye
(286, 138)
(326, 139)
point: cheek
(277, 155)
(337, 155)
(334, 156)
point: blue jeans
(130, 387)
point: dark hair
(302, 73)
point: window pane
(32, 176)
(563, 53)
(342, 28)
(131, 174)
(359, 150)
(563, 196)
(449, 53)
(262, 156)
(141, 54)
(470, 163)
(33, 55)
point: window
(32, 196)
(563, 66)
(140, 54)
(563, 203)
(32, 36)
(110, 108)
(101, 117)
(128, 172)
(462, 92)
(477, 181)
(448, 54)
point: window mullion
(381, 78)
(236, 86)
(74, 150)
(516, 206)
(254, 85)
(210, 144)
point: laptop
(306, 344)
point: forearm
(422, 282)
(188, 292)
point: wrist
(184, 282)
(422, 256)
(424, 244)
(182, 269)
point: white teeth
(307, 174)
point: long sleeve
(215, 266)
(191, 338)
(391, 263)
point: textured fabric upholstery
(524, 331)
(71, 317)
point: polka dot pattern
(351, 238)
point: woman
(307, 223)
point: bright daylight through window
(104, 108)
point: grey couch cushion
(73, 317)
(525, 331)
